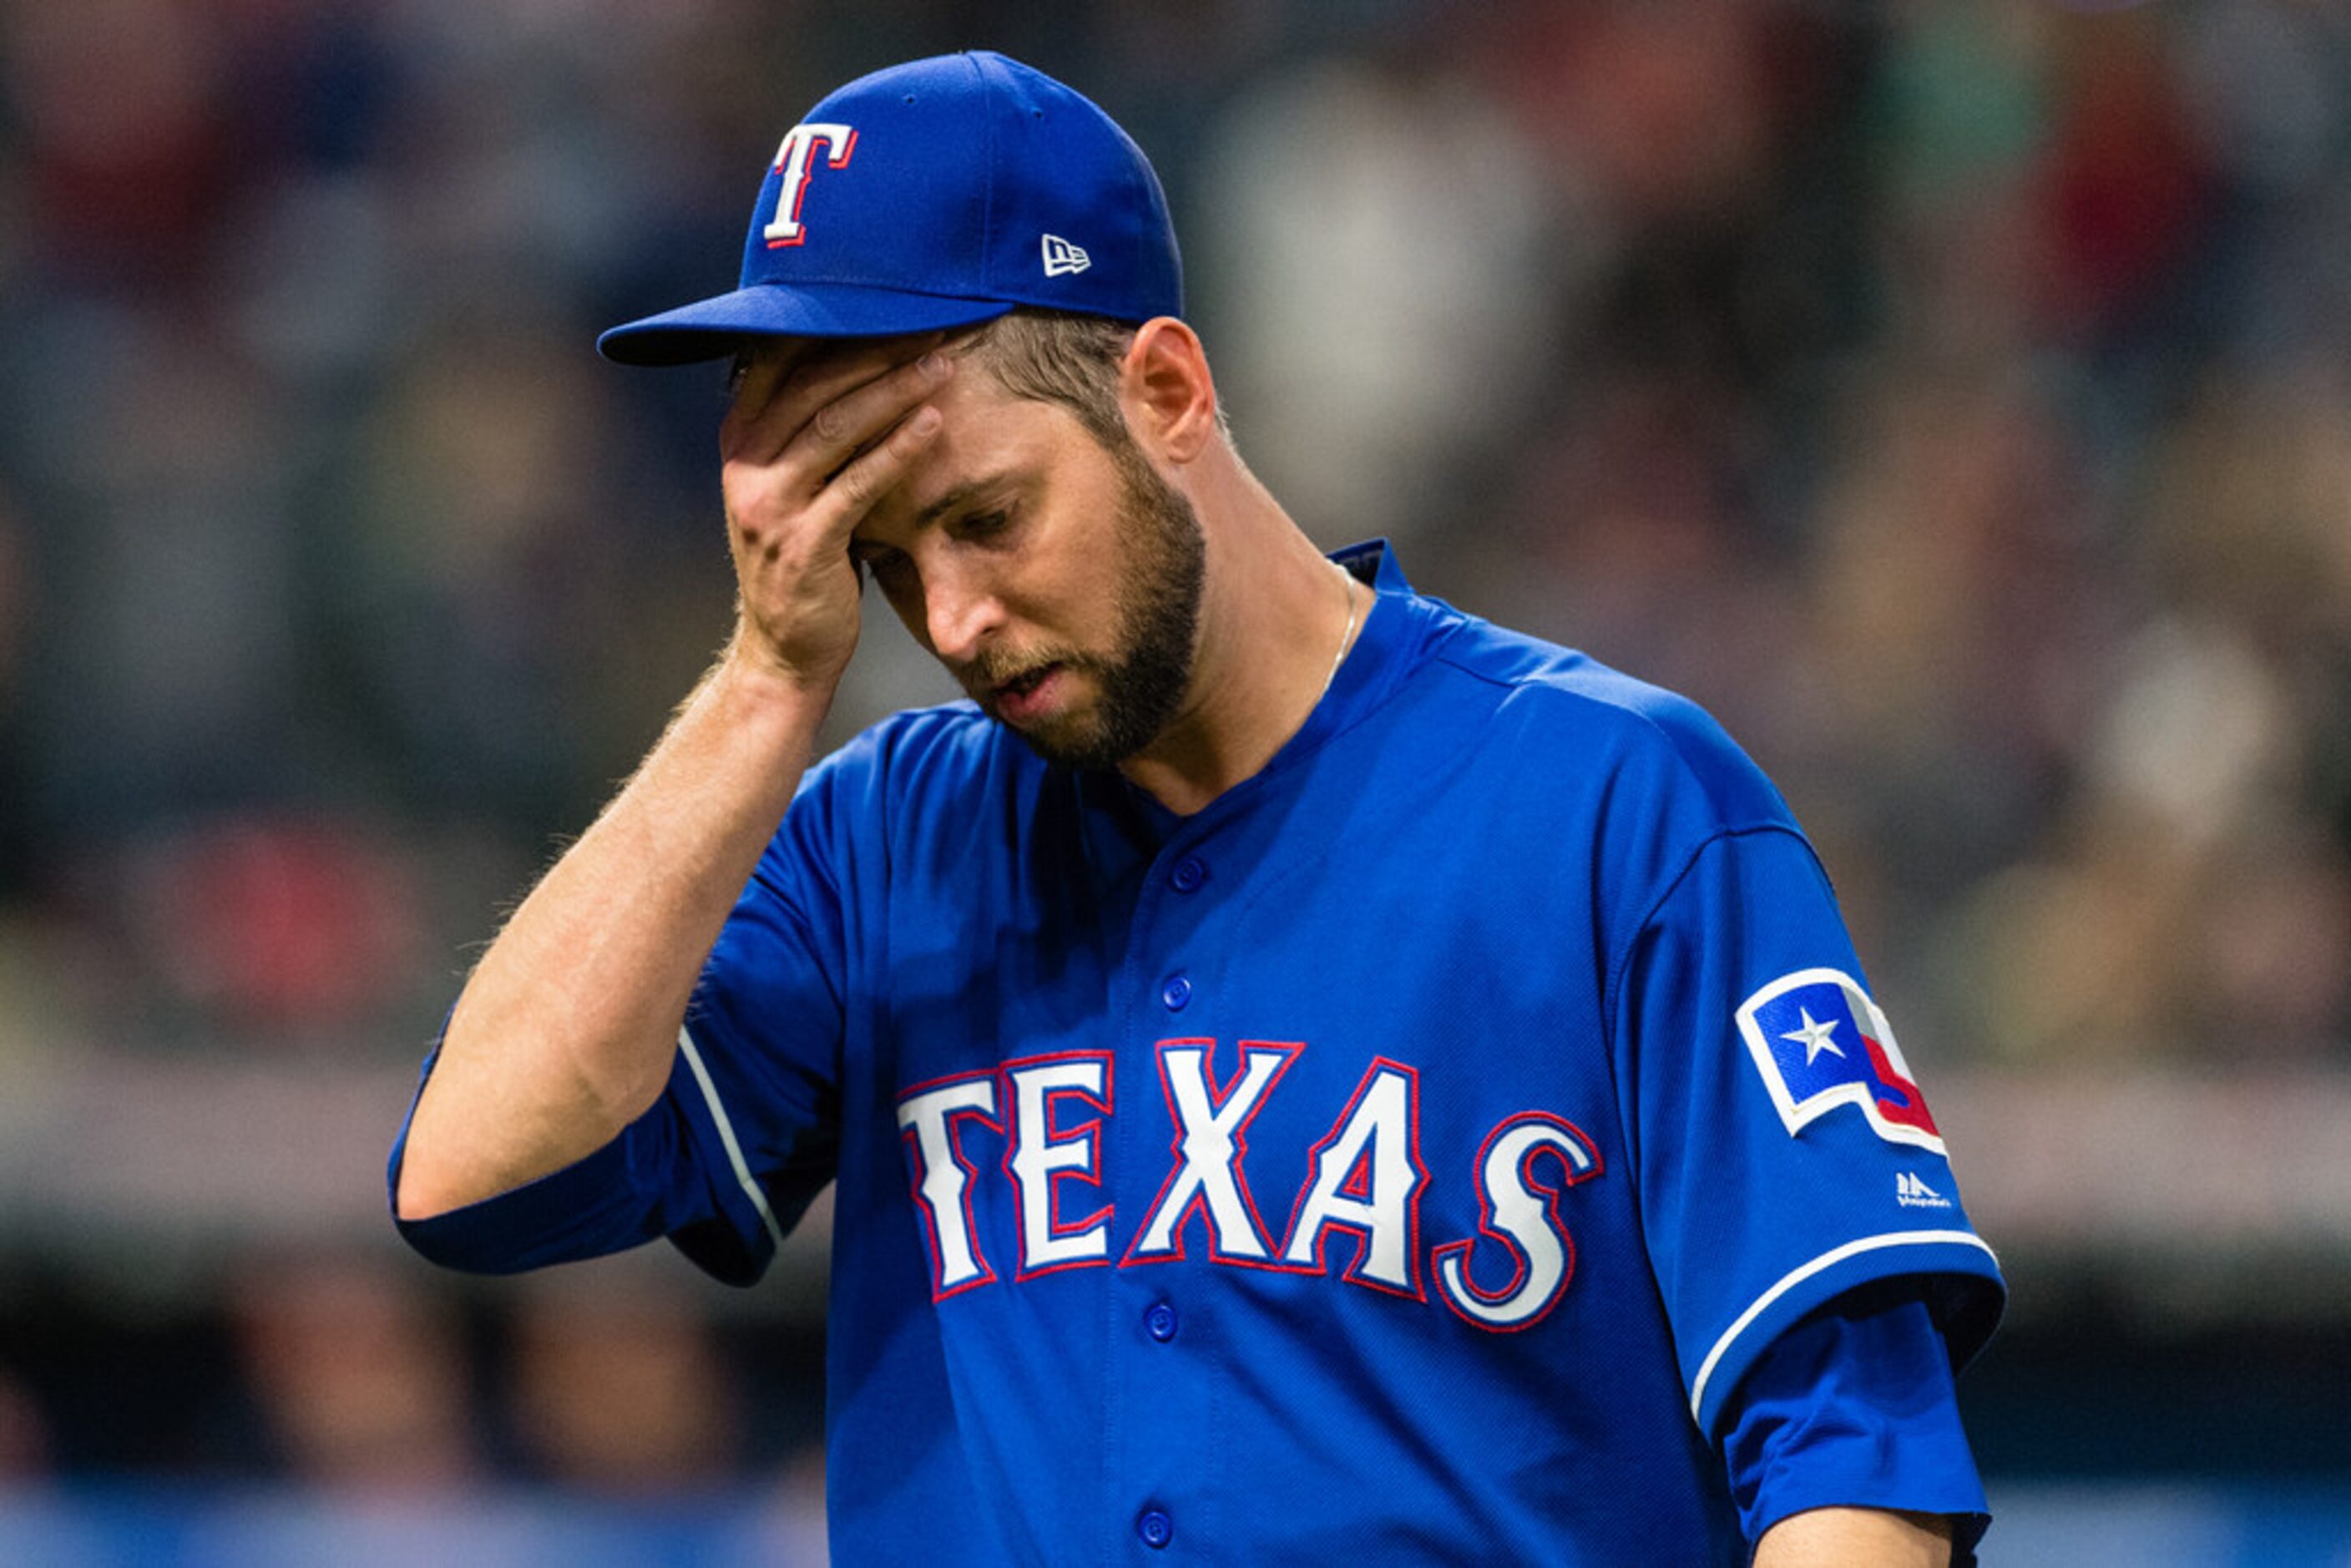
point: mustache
(991, 670)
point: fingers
(798, 590)
(811, 445)
(823, 469)
(871, 474)
(817, 411)
(755, 376)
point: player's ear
(1164, 387)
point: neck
(1275, 620)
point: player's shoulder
(948, 750)
(908, 785)
(1573, 713)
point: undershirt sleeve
(1854, 1407)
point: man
(1305, 1073)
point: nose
(959, 611)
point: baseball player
(1305, 1073)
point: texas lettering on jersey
(1363, 1183)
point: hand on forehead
(763, 365)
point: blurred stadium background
(1956, 399)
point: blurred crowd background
(1956, 399)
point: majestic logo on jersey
(793, 161)
(1911, 1191)
(1358, 1205)
(1820, 1042)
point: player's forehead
(992, 447)
(799, 355)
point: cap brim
(713, 328)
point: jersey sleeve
(741, 1139)
(1782, 1150)
(1853, 1407)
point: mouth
(1027, 694)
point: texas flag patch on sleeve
(1821, 1043)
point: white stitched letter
(792, 158)
(1378, 1135)
(1524, 1215)
(1037, 1156)
(1210, 1143)
(943, 1182)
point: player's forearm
(1856, 1538)
(566, 1031)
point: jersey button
(1176, 993)
(1155, 1528)
(1160, 1322)
(1189, 873)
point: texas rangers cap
(938, 194)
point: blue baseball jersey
(1407, 1154)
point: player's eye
(986, 525)
(884, 565)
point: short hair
(1061, 357)
(1058, 357)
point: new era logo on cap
(1061, 256)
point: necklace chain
(1347, 580)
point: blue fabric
(937, 194)
(1376, 1162)
(1854, 1408)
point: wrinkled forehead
(878, 354)
(993, 447)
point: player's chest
(1313, 1064)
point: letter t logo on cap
(792, 159)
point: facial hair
(1143, 681)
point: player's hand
(808, 448)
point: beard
(1141, 680)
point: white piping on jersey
(726, 1136)
(1795, 1277)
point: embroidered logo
(1911, 1192)
(1819, 1043)
(1061, 256)
(794, 162)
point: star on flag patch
(1820, 1042)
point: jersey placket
(1163, 1450)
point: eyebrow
(956, 499)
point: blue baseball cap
(936, 194)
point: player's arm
(1856, 1538)
(1819, 1336)
(1844, 1443)
(566, 1031)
